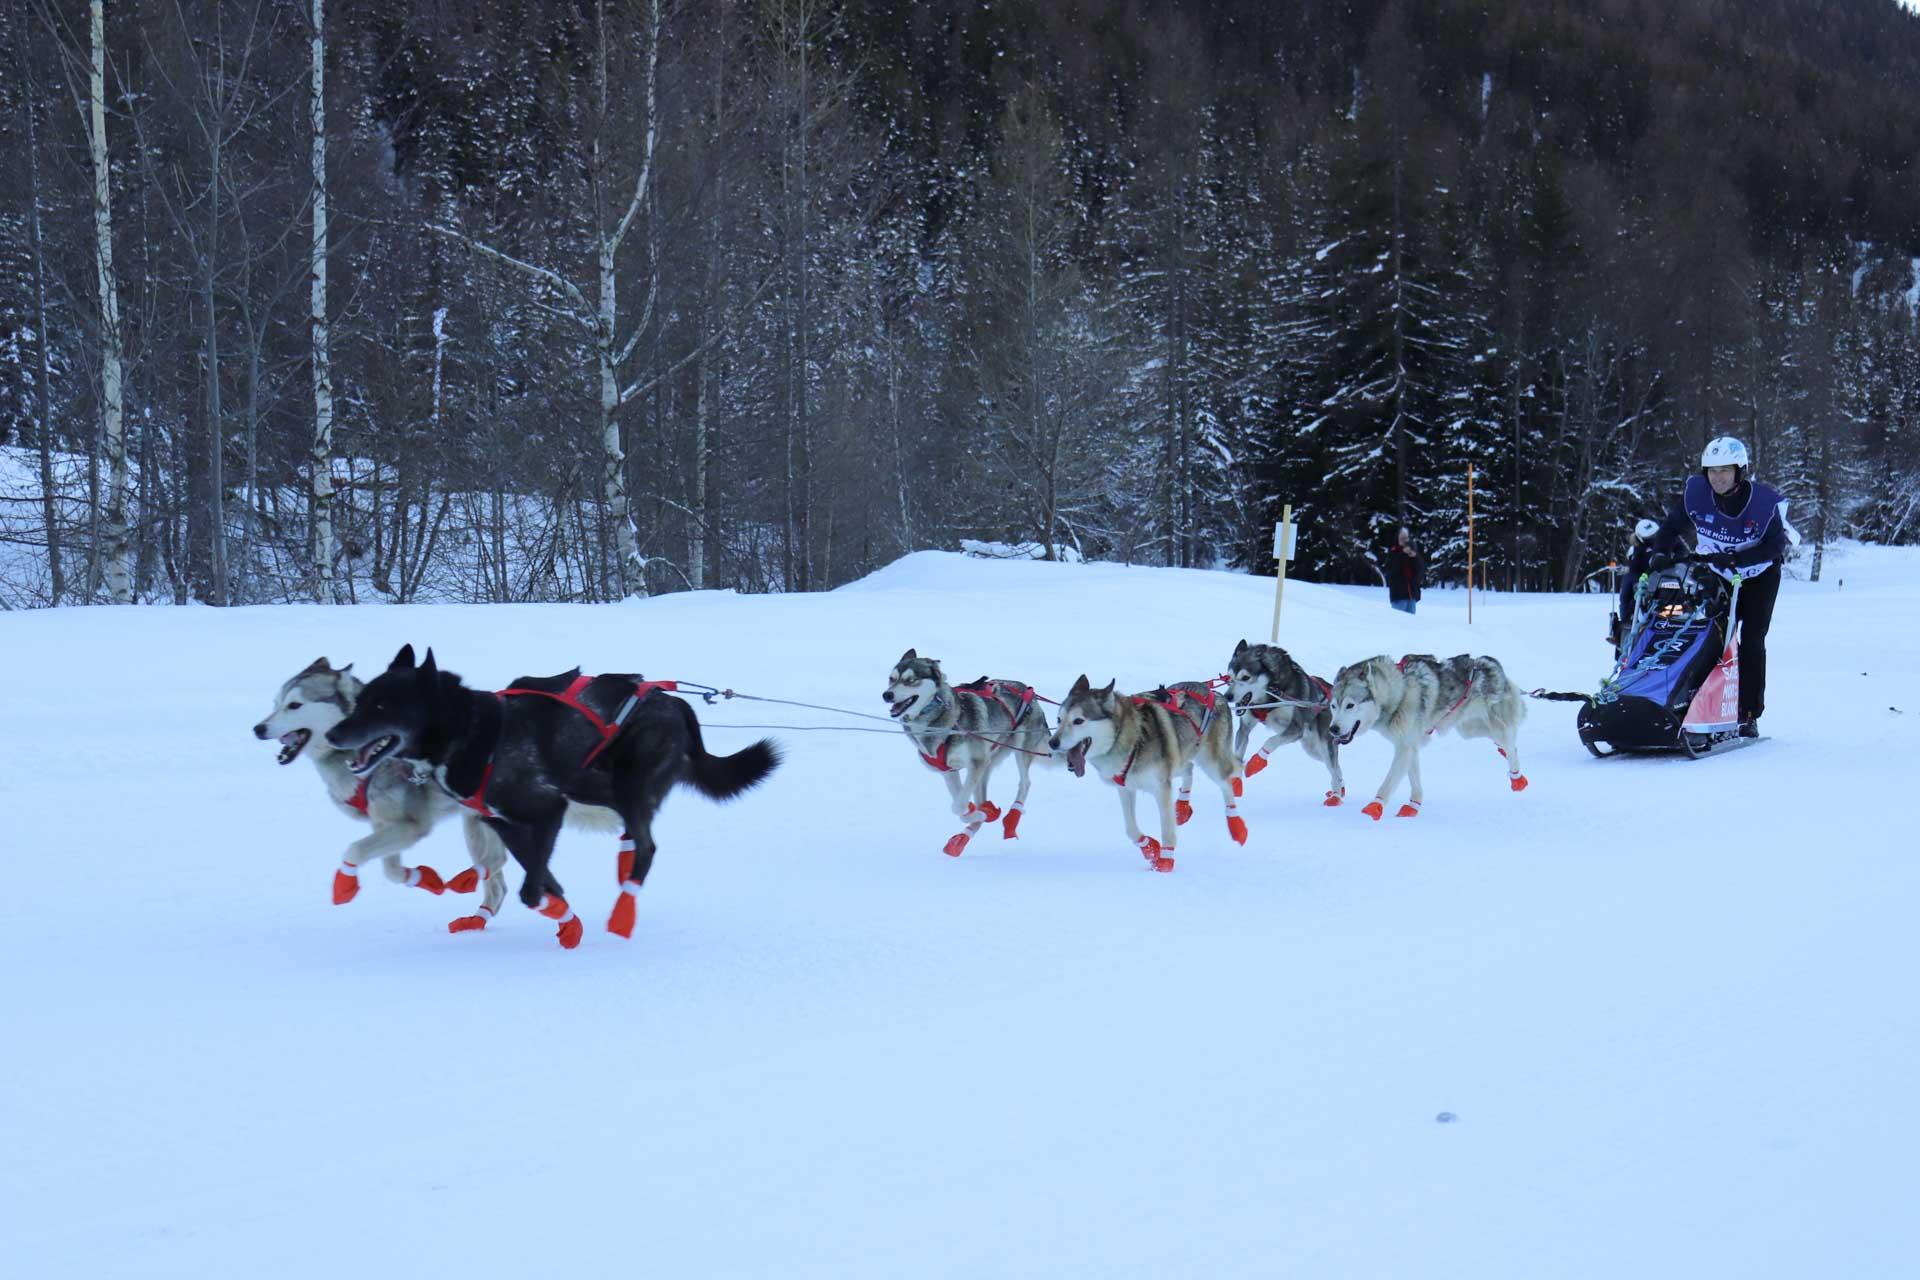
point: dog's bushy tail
(724, 777)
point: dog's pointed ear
(906, 657)
(315, 667)
(342, 671)
(1240, 648)
(1080, 686)
(403, 660)
(429, 668)
(1108, 691)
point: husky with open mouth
(1411, 700)
(963, 732)
(520, 757)
(1269, 687)
(401, 806)
(1143, 742)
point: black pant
(1755, 615)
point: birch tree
(115, 563)
(600, 317)
(325, 548)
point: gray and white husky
(1142, 742)
(401, 806)
(1411, 700)
(963, 733)
(1268, 686)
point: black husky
(518, 757)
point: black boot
(1749, 726)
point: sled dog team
(415, 745)
(1151, 742)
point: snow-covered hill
(1669, 1003)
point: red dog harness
(607, 729)
(980, 688)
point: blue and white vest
(1715, 531)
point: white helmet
(1646, 529)
(1724, 452)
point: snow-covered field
(1671, 1004)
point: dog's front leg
(531, 843)
(388, 841)
(1162, 858)
(1402, 757)
(966, 809)
(1149, 847)
(1327, 753)
(1411, 809)
(982, 775)
(956, 791)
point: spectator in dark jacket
(1403, 574)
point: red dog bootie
(346, 884)
(467, 924)
(621, 921)
(570, 929)
(425, 877)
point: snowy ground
(1670, 1003)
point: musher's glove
(1719, 560)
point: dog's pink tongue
(366, 753)
(1077, 760)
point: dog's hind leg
(489, 863)
(637, 846)
(1224, 769)
(1327, 753)
(1183, 803)
(1376, 808)
(1509, 740)
(1010, 829)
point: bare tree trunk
(899, 447)
(703, 374)
(630, 571)
(113, 533)
(325, 548)
(43, 425)
(214, 513)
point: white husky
(401, 807)
(1411, 700)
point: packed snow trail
(1667, 1003)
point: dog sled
(1675, 685)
